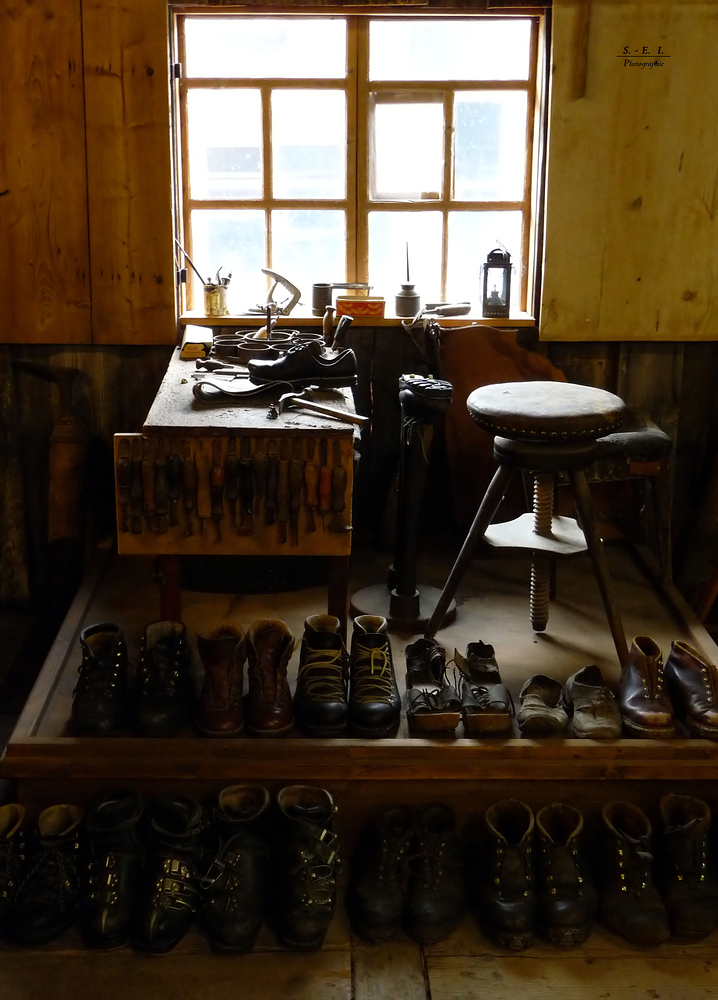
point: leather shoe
(222, 652)
(374, 699)
(166, 689)
(436, 890)
(485, 700)
(684, 874)
(507, 898)
(13, 851)
(567, 897)
(320, 699)
(541, 712)
(642, 696)
(693, 685)
(591, 706)
(305, 364)
(432, 701)
(99, 701)
(268, 708)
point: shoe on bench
(304, 365)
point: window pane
(234, 241)
(309, 246)
(450, 50)
(403, 167)
(472, 236)
(389, 233)
(284, 48)
(309, 130)
(225, 143)
(489, 145)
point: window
(350, 148)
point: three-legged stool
(543, 428)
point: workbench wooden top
(176, 411)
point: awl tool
(174, 484)
(339, 489)
(325, 482)
(189, 489)
(246, 487)
(136, 495)
(124, 482)
(296, 481)
(162, 492)
(283, 490)
(270, 499)
(216, 487)
(231, 479)
(311, 485)
(148, 484)
(259, 470)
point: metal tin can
(215, 300)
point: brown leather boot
(693, 684)
(642, 696)
(567, 895)
(222, 652)
(506, 892)
(684, 875)
(268, 708)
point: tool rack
(224, 479)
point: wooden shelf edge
(199, 319)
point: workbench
(223, 479)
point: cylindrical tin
(215, 300)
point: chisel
(189, 488)
(124, 482)
(174, 485)
(162, 494)
(246, 487)
(325, 482)
(136, 497)
(148, 484)
(296, 480)
(283, 490)
(216, 487)
(339, 488)
(270, 502)
(203, 461)
(231, 479)
(311, 485)
(259, 468)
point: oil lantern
(497, 283)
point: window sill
(299, 319)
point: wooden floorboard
(392, 971)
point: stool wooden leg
(587, 514)
(484, 515)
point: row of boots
(130, 873)
(336, 690)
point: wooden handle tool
(148, 484)
(296, 481)
(283, 490)
(136, 495)
(162, 493)
(203, 461)
(174, 485)
(339, 488)
(231, 479)
(189, 488)
(311, 485)
(123, 474)
(270, 502)
(246, 487)
(259, 469)
(216, 488)
(325, 482)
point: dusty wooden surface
(44, 263)
(630, 216)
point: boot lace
(51, 875)
(689, 858)
(317, 876)
(95, 677)
(372, 674)
(512, 868)
(430, 864)
(162, 671)
(561, 864)
(323, 675)
(11, 858)
(635, 867)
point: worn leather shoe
(377, 893)
(436, 890)
(693, 685)
(684, 872)
(541, 712)
(99, 701)
(166, 691)
(374, 699)
(236, 883)
(305, 863)
(567, 897)
(320, 699)
(13, 852)
(507, 897)
(268, 708)
(305, 364)
(114, 869)
(591, 706)
(222, 652)
(630, 902)
(176, 860)
(49, 892)
(433, 704)
(642, 696)
(485, 700)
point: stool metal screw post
(543, 428)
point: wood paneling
(129, 176)
(44, 271)
(631, 249)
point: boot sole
(650, 732)
(514, 942)
(568, 938)
(213, 734)
(375, 734)
(490, 723)
(434, 722)
(303, 946)
(269, 733)
(707, 732)
(299, 383)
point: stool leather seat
(558, 411)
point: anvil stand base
(403, 614)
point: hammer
(304, 401)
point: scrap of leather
(209, 390)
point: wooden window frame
(358, 202)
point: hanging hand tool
(123, 474)
(246, 487)
(325, 482)
(341, 331)
(311, 485)
(189, 488)
(202, 459)
(216, 487)
(270, 503)
(259, 469)
(296, 481)
(231, 479)
(162, 494)
(174, 485)
(148, 484)
(339, 488)
(136, 496)
(304, 401)
(283, 490)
